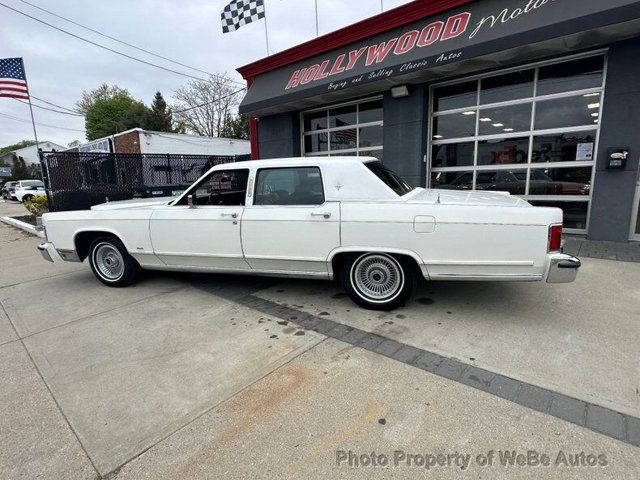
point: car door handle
(321, 214)
(232, 215)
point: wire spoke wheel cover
(377, 278)
(108, 261)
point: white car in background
(343, 217)
(28, 191)
(25, 189)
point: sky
(60, 67)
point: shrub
(36, 205)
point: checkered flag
(241, 12)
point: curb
(27, 227)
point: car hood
(453, 197)
(135, 203)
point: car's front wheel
(379, 281)
(111, 263)
(27, 198)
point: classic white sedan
(342, 217)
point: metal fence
(79, 180)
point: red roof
(383, 22)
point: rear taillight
(555, 238)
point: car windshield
(394, 181)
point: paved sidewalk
(581, 247)
(206, 376)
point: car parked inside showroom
(346, 218)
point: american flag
(13, 82)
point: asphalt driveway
(194, 376)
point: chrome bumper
(563, 268)
(46, 250)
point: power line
(49, 109)
(114, 38)
(53, 104)
(11, 117)
(211, 101)
(101, 46)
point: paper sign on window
(584, 152)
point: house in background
(30, 154)
(142, 141)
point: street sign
(5, 171)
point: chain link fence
(79, 180)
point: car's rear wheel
(26, 198)
(379, 281)
(111, 263)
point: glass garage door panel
(352, 129)
(531, 132)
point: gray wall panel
(614, 190)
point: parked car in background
(26, 193)
(343, 217)
(7, 190)
(22, 185)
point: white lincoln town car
(348, 218)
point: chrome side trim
(68, 255)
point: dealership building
(540, 98)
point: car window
(289, 186)
(394, 181)
(222, 187)
(29, 183)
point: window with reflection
(454, 125)
(567, 112)
(343, 117)
(564, 147)
(456, 96)
(560, 181)
(344, 130)
(510, 86)
(453, 155)
(512, 181)
(508, 119)
(544, 120)
(370, 136)
(503, 151)
(576, 75)
(370, 112)
(452, 180)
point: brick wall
(128, 143)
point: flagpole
(45, 178)
(317, 29)
(266, 34)
(381, 6)
(33, 122)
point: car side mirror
(190, 201)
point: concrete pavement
(182, 376)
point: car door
(287, 225)
(205, 234)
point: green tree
(103, 92)
(107, 116)
(20, 169)
(236, 127)
(160, 118)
